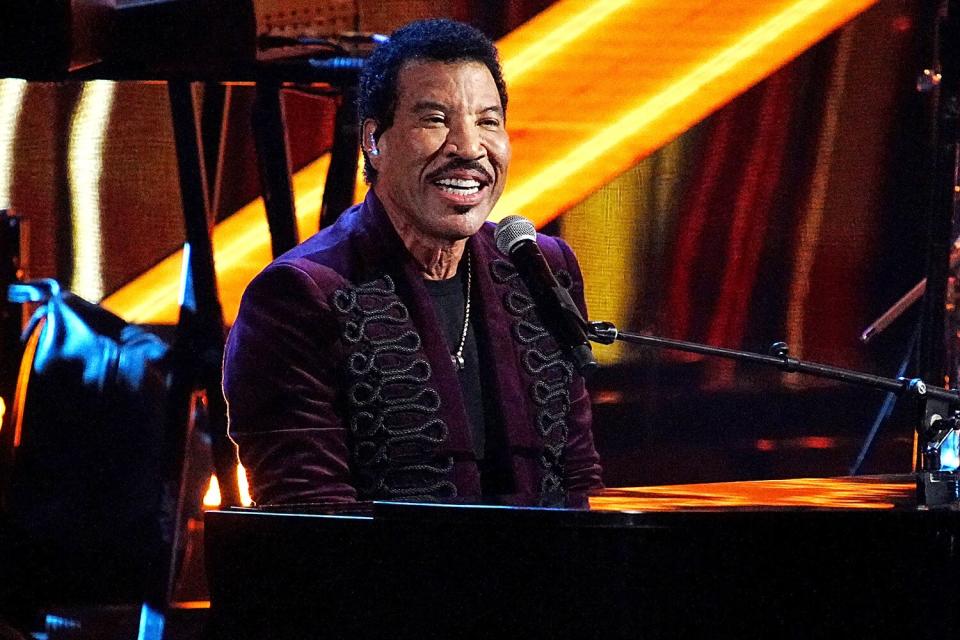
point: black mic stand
(938, 429)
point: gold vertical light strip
(606, 231)
(85, 165)
(12, 93)
(808, 239)
(617, 235)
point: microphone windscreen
(511, 230)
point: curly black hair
(441, 40)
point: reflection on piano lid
(855, 492)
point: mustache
(460, 163)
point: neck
(437, 263)
(437, 259)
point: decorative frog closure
(395, 431)
(549, 372)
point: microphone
(517, 237)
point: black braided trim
(551, 374)
(564, 278)
(393, 426)
(503, 271)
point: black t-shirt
(450, 303)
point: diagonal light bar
(594, 88)
(241, 246)
(561, 32)
(635, 75)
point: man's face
(442, 165)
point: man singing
(398, 355)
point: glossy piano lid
(860, 492)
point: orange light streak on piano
(814, 493)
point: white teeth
(459, 191)
(459, 186)
(458, 183)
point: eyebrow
(428, 105)
(425, 105)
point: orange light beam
(575, 170)
(241, 246)
(669, 63)
(563, 34)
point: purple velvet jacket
(340, 386)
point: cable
(888, 403)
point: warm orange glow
(805, 442)
(23, 378)
(608, 396)
(527, 48)
(813, 493)
(360, 186)
(244, 486)
(211, 499)
(916, 444)
(594, 88)
(764, 444)
(241, 246)
(609, 83)
(191, 604)
(818, 442)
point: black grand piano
(815, 558)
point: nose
(464, 141)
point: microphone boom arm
(606, 333)
(940, 406)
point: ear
(368, 141)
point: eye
(490, 123)
(434, 119)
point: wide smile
(459, 186)
(462, 184)
(463, 191)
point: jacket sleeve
(582, 471)
(280, 385)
